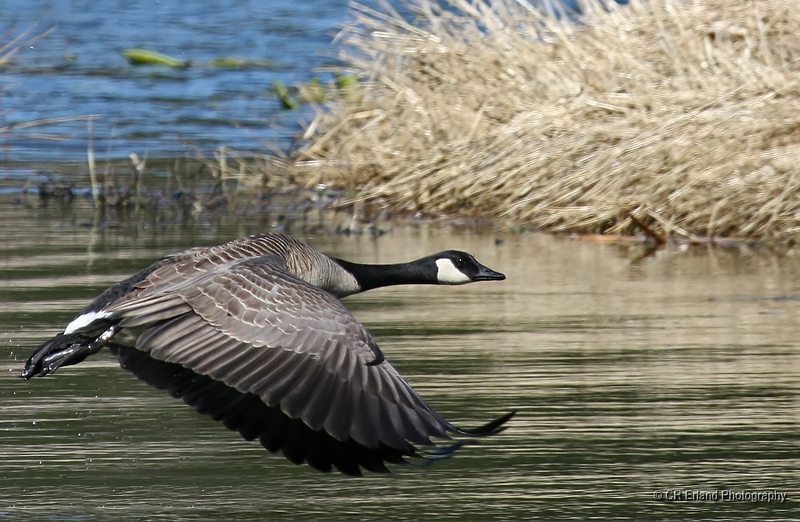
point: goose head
(454, 267)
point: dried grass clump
(683, 112)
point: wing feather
(304, 387)
(150, 311)
(338, 420)
(318, 403)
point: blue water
(79, 70)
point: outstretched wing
(254, 329)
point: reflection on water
(679, 371)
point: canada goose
(252, 333)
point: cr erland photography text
(755, 496)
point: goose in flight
(252, 333)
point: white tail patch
(83, 320)
(448, 274)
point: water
(678, 371)
(79, 70)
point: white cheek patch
(448, 274)
(83, 320)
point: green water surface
(680, 371)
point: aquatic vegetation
(672, 114)
(292, 97)
(312, 92)
(349, 87)
(288, 101)
(148, 57)
(230, 62)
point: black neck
(376, 276)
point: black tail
(63, 350)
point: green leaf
(147, 57)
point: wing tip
(492, 427)
(431, 454)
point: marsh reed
(684, 114)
